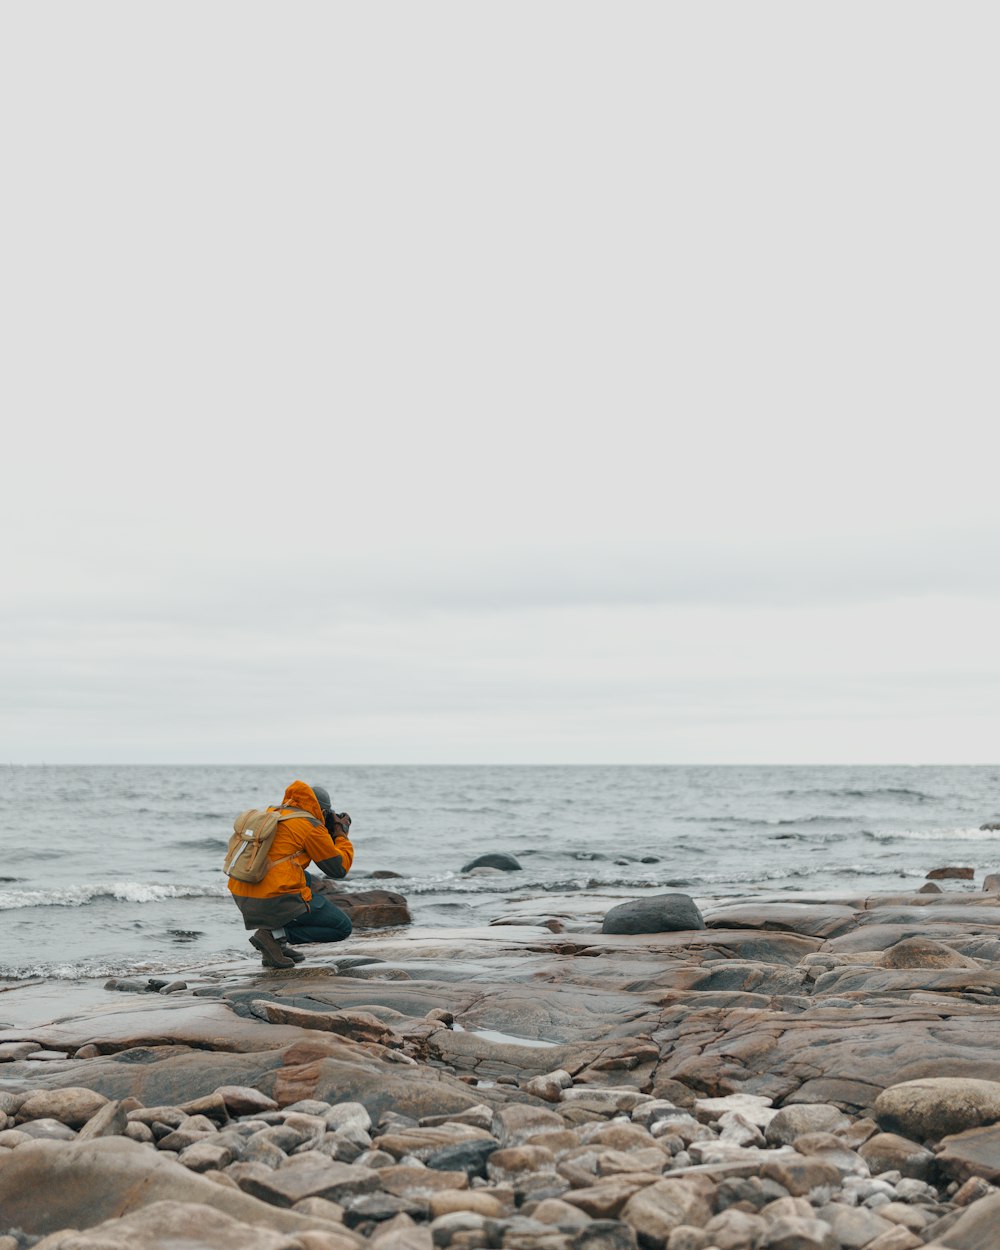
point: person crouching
(282, 908)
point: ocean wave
(876, 792)
(120, 891)
(202, 844)
(931, 835)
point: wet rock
(951, 873)
(657, 913)
(494, 859)
(991, 885)
(930, 888)
(73, 1106)
(888, 1152)
(934, 1107)
(367, 909)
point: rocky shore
(801, 1074)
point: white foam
(121, 891)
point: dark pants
(323, 922)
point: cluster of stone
(577, 1167)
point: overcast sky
(522, 382)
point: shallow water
(109, 870)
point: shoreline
(600, 1060)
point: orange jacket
(303, 841)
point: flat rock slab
(824, 920)
(973, 1153)
(310, 1178)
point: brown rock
(407, 1181)
(48, 1186)
(605, 1200)
(368, 909)
(733, 1229)
(166, 1225)
(110, 1121)
(794, 1120)
(425, 1140)
(930, 888)
(975, 1152)
(976, 1228)
(359, 1026)
(973, 1189)
(659, 1208)
(924, 953)
(951, 874)
(311, 1178)
(513, 1159)
(475, 1200)
(934, 1107)
(801, 1233)
(897, 1239)
(73, 1106)
(888, 1152)
(799, 1174)
(242, 1100)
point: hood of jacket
(301, 796)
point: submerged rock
(494, 859)
(660, 913)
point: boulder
(494, 859)
(46, 1186)
(367, 909)
(991, 885)
(72, 1107)
(658, 913)
(975, 1152)
(888, 1152)
(174, 1226)
(934, 1107)
(800, 1118)
(976, 1228)
(951, 873)
(924, 953)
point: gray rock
(974, 1229)
(494, 859)
(800, 1118)
(469, 1157)
(658, 913)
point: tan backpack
(253, 833)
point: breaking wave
(120, 891)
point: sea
(112, 870)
